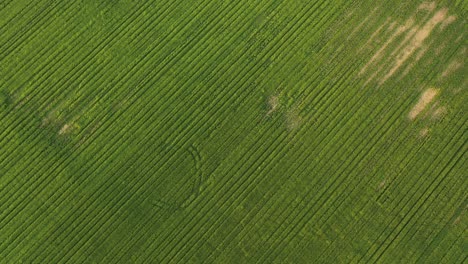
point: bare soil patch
(273, 103)
(418, 57)
(405, 41)
(424, 132)
(449, 20)
(416, 42)
(380, 51)
(408, 41)
(439, 112)
(382, 184)
(426, 98)
(427, 6)
(293, 120)
(452, 67)
(65, 129)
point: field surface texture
(247, 131)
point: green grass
(144, 132)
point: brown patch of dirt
(426, 98)
(421, 53)
(439, 112)
(452, 67)
(65, 129)
(382, 184)
(45, 122)
(457, 220)
(273, 103)
(407, 38)
(419, 56)
(427, 6)
(424, 132)
(449, 20)
(416, 42)
(380, 51)
(293, 120)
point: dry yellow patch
(419, 55)
(426, 98)
(457, 220)
(452, 67)
(409, 42)
(449, 20)
(382, 184)
(424, 132)
(293, 120)
(379, 52)
(439, 112)
(405, 41)
(416, 42)
(65, 129)
(273, 103)
(427, 6)
(456, 64)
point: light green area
(229, 132)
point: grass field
(318, 131)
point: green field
(248, 131)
